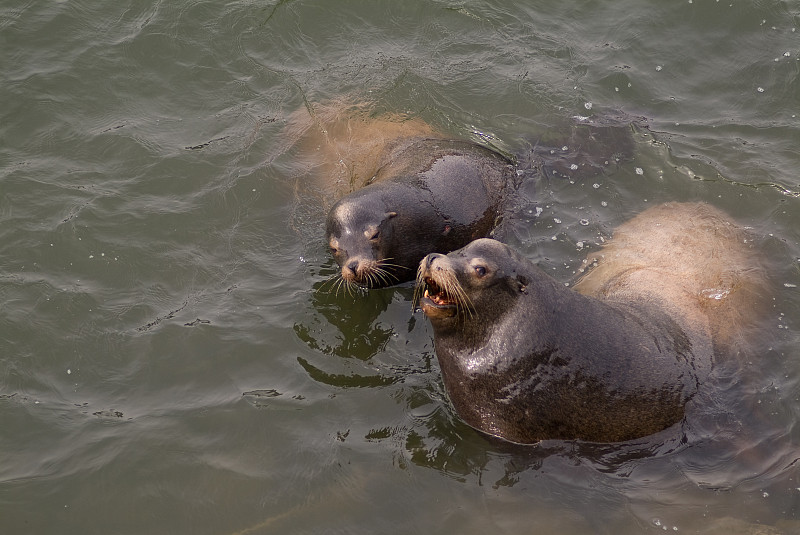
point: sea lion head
(359, 231)
(477, 283)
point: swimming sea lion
(431, 195)
(406, 189)
(525, 358)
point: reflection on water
(355, 332)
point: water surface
(170, 361)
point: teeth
(426, 295)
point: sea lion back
(688, 257)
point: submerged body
(525, 358)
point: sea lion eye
(480, 270)
(376, 235)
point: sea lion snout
(350, 270)
(440, 293)
(361, 270)
(427, 262)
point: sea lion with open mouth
(525, 358)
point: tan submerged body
(688, 258)
(350, 144)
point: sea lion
(431, 195)
(406, 190)
(525, 358)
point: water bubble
(715, 293)
(603, 203)
(579, 245)
(587, 105)
(760, 89)
(556, 220)
(789, 285)
(639, 171)
(596, 185)
(573, 167)
(584, 222)
(565, 148)
(659, 67)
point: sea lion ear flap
(389, 215)
(521, 284)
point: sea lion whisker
(348, 287)
(418, 289)
(331, 284)
(373, 278)
(351, 286)
(382, 278)
(385, 274)
(456, 292)
(340, 284)
(421, 286)
(377, 277)
(466, 309)
(384, 263)
(328, 280)
(370, 279)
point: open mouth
(435, 293)
(435, 300)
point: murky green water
(168, 363)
